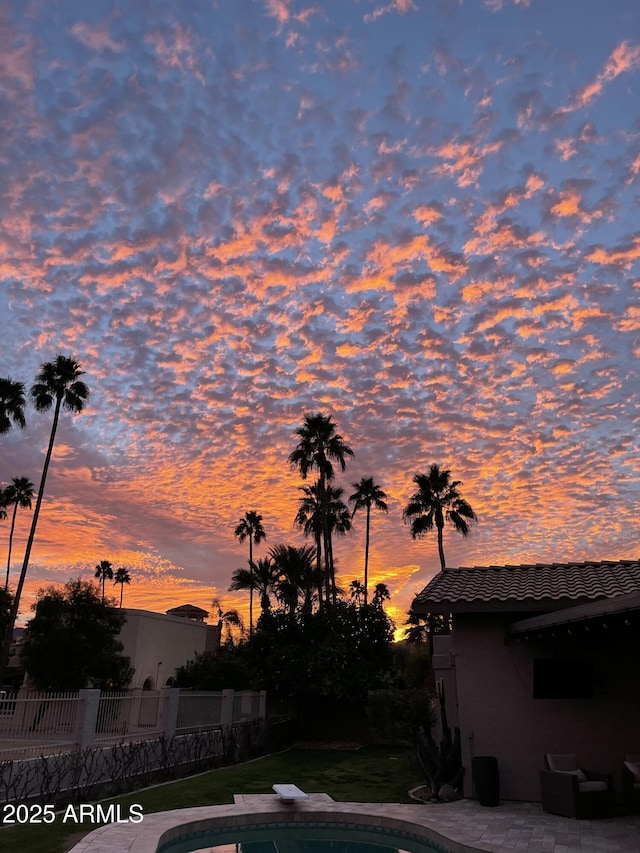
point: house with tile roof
(541, 658)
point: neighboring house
(541, 658)
(158, 644)
(189, 611)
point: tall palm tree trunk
(331, 578)
(366, 553)
(319, 581)
(13, 524)
(251, 587)
(328, 570)
(6, 648)
(326, 536)
(440, 546)
(121, 593)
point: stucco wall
(498, 715)
(150, 638)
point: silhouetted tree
(296, 580)
(319, 446)
(250, 527)
(72, 640)
(18, 493)
(263, 579)
(227, 618)
(121, 577)
(367, 494)
(436, 501)
(59, 385)
(104, 572)
(12, 404)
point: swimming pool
(309, 837)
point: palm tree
(356, 591)
(436, 501)
(319, 446)
(339, 522)
(295, 576)
(367, 494)
(58, 385)
(309, 518)
(380, 593)
(250, 527)
(19, 493)
(262, 579)
(420, 627)
(122, 577)
(229, 618)
(329, 516)
(104, 572)
(12, 404)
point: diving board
(290, 793)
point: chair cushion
(634, 768)
(580, 776)
(563, 762)
(585, 787)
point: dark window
(562, 678)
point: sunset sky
(418, 216)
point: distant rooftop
(189, 611)
(486, 588)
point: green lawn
(375, 774)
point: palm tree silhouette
(250, 527)
(436, 501)
(19, 493)
(59, 385)
(295, 576)
(104, 572)
(339, 522)
(367, 494)
(230, 618)
(380, 593)
(315, 516)
(263, 580)
(310, 518)
(122, 577)
(356, 591)
(318, 447)
(12, 404)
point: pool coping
(248, 809)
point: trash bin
(486, 779)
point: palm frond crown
(12, 403)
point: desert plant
(441, 764)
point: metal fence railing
(199, 711)
(34, 715)
(35, 719)
(128, 714)
(32, 723)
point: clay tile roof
(537, 582)
(189, 610)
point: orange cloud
(625, 57)
(623, 257)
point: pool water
(312, 837)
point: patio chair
(570, 791)
(631, 782)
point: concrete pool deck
(461, 827)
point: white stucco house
(158, 643)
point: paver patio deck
(462, 827)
